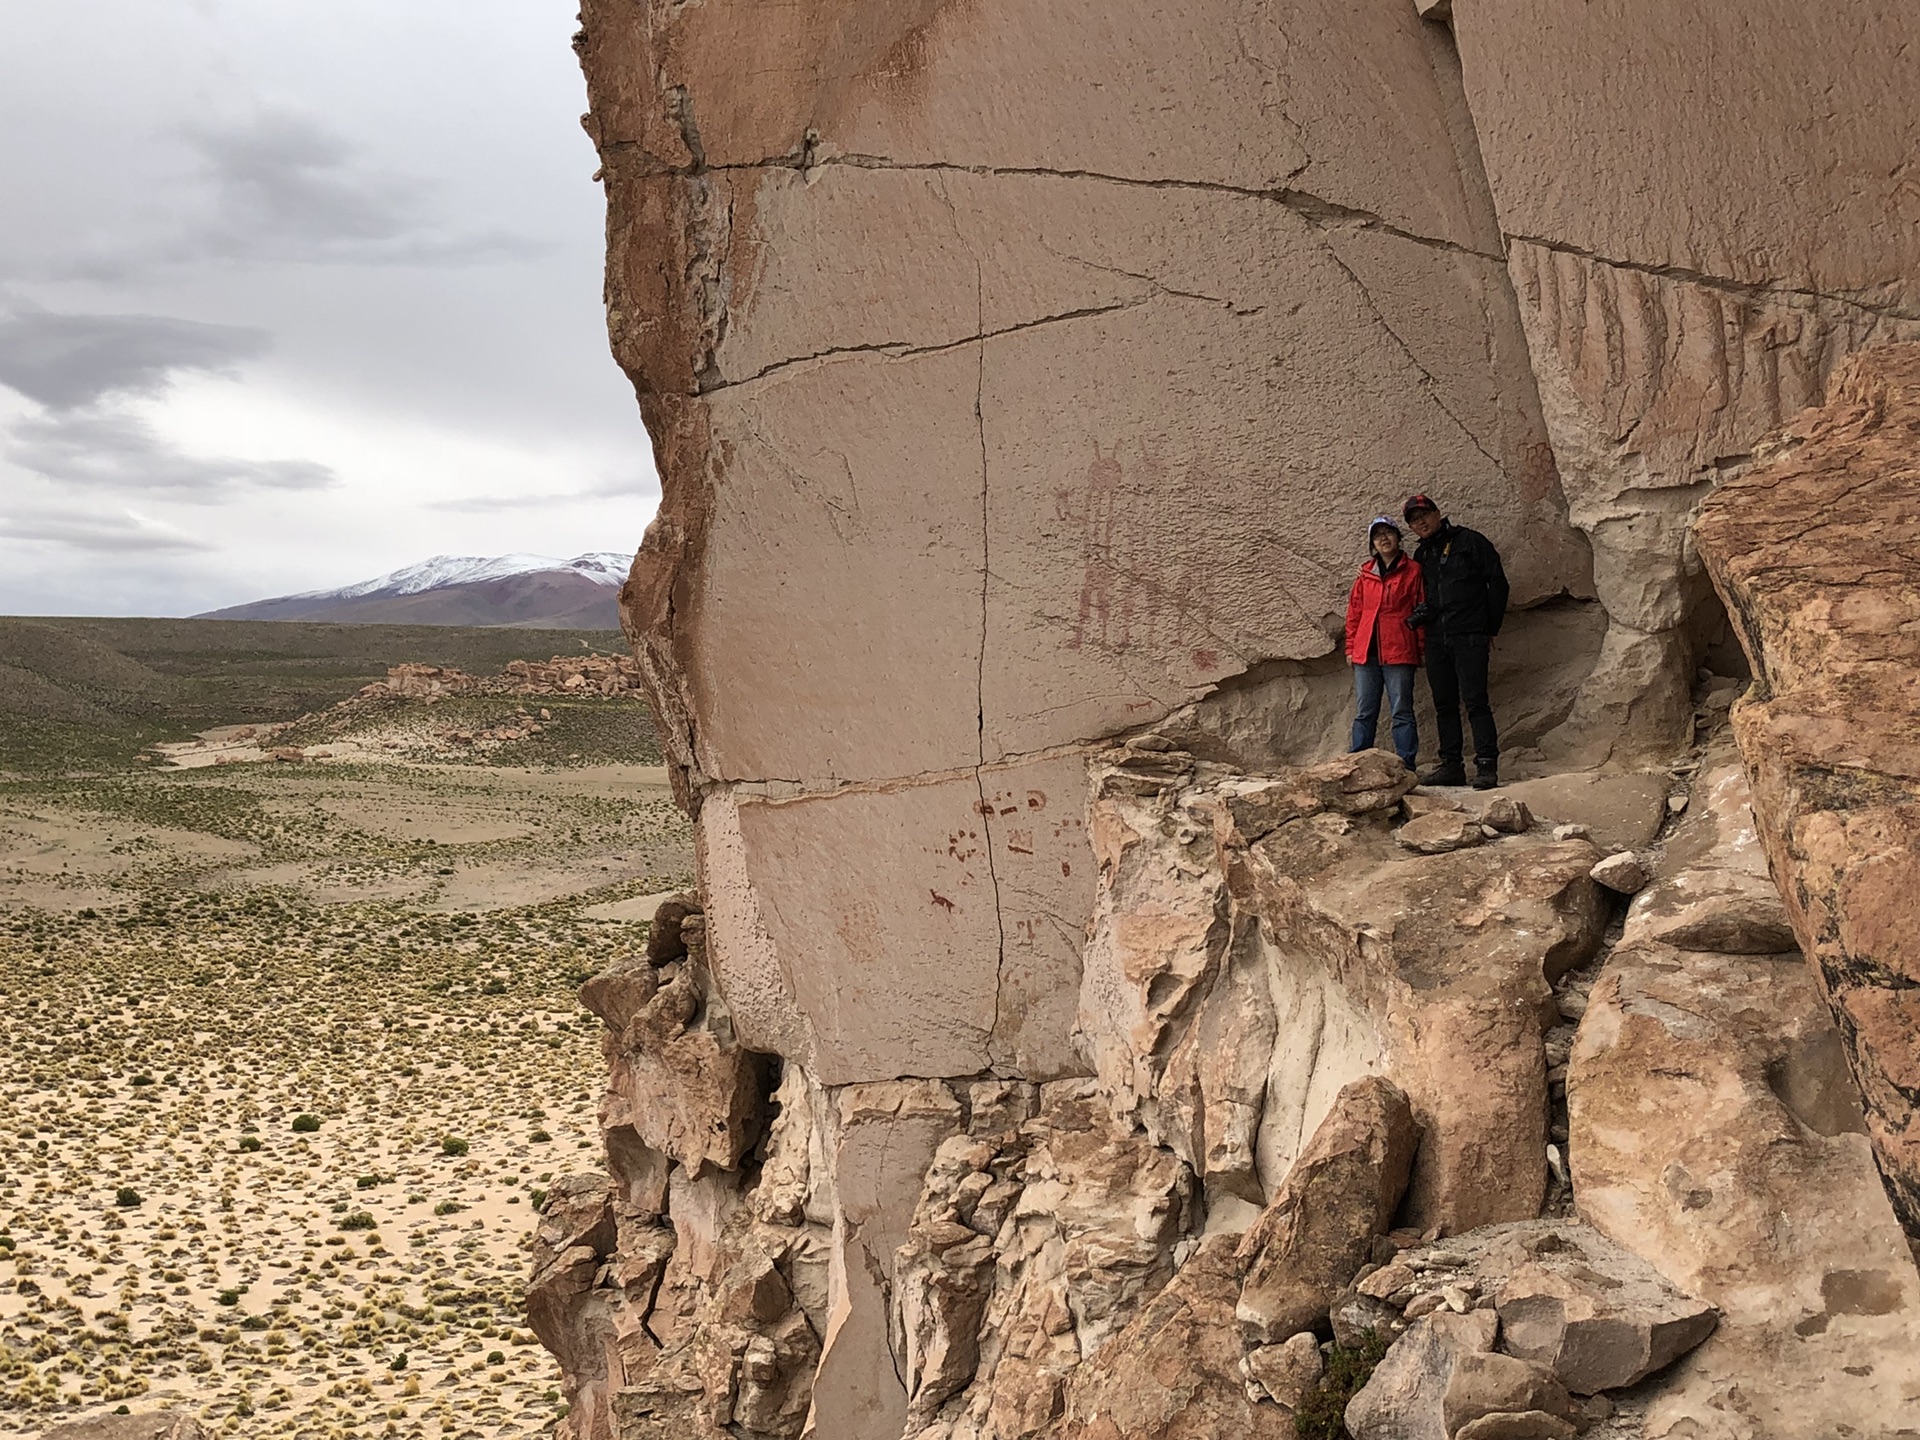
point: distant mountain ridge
(521, 591)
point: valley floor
(288, 1054)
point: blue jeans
(1370, 681)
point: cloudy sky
(296, 292)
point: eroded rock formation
(1817, 552)
(1060, 1045)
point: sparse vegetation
(253, 994)
(1322, 1414)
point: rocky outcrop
(1817, 551)
(1672, 323)
(1059, 1031)
(1715, 1131)
(1261, 941)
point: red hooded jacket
(1378, 608)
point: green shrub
(249, 1143)
(538, 1199)
(126, 1197)
(306, 1124)
(229, 1297)
(368, 1182)
(143, 1079)
(358, 1220)
(1322, 1413)
(448, 1207)
(539, 1137)
(453, 1145)
(496, 1357)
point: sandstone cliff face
(1059, 1046)
(1817, 552)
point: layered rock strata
(1817, 552)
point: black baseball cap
(1416, 503)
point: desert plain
(290, 1051)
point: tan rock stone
(677, 1076)
(1622, 873)
(1440, 832)
(1402, 1400)
(1231, 989)
(1712, 890)
(1715, 1132)
(886, 1136)
(1289, 1371)
(1340, 1193)
(1829, 729)
(1619, 811)
(1173, 1373)
(1491, 1383)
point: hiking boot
(1447, 772)
(1486, 778)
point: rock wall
(1021, 382)
(1817, 551)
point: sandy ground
(193, 960)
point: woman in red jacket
(1384, 648)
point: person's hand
(1420, 615)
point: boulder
(1404, 1398)
(1490, 1383)
(1232, 987)
(1712, 890)
(1715, 1131)
(1289, 1371)
(1508, 815)
(1594, 1330)
(1622, 873)
(1439, 832)
(1831, 728)
(1593, 1313)
(1173, 1372)
(1340, 1194)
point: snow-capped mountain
(605, 568)
(518, 590)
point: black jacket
(1466, 585)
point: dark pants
(1371, 681)
(1457, 674)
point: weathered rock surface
(1252, 954)
(1715, 1131)
(1712, 890)
(1817, 553)
(1404, 1398)
(1012, 392)
(1339, 1194)
(1174, 1372)
(1667, 339)
(679, 1080)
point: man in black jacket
(1466, 601)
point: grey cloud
(285, 188)
(123, 452)
(66, 361)
(114, 532)
(492, 504)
